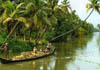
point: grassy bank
(16, 45)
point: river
(76, 54)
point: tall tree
(11, 17)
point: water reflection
(98, 42)
(88, 58)
(76, 54)
(66, 52)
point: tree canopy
(37, 20)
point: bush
(19, 46)
(16, 45)
(49, 35)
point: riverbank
(16, 45)
(20, 45)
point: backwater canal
(76, 54)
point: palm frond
(88, 6)
(4, 15)
(46, 21)
(7, 20)
(97, 9)
(47, 10)
(56, 7)
(35, 19)
(24, 20)
(88, 10)
(13, 13)
(29, 5)
(53, 20)
(19, 5)
(9, 5)
(21, 19)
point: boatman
(35, 50)
(6, 49)
(48, 46)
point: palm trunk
(8, 28)
(44, 30)
(15, 35)
(30, 35)
(73, 28)
(24, 37)
(39, 37)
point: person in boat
(35, 50)
(48, 48)
(6, 49)
(41, 50)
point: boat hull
(4, 61)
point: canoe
(4, 61)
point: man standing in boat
(6, 49)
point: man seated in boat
(6, 49)
(48, 48)
(41, 50)
(35, 50)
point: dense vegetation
(24, 23)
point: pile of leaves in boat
(28, 55)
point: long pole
(73, 28)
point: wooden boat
(4, 61)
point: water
(77, 54)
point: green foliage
(99, 26)
(96, 30)
(19, 46)
(49, 35)
(16, 45)
(37, 20)
(0, 1)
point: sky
(80, 7)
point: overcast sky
(80, 7)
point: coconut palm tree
(38, 17)
(65, 5)
(94, 5)
(11, 17)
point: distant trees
(98, 26)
